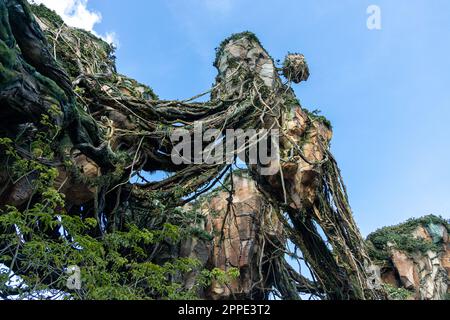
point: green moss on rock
(401, 237)
(7, 56)
(315, 116)
(246, 34)
(45, 13)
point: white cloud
(75, 13)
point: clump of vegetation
(40, 241)
(295, 68)
(48, 14)
(316, 116)
(397, 293)
(401, 238)
(122, 236)
(73, 47)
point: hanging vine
(112, 128)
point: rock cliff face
(236, 224)
(414, 258)
(239, 222)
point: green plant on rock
(315, 116)
(401, 237)
(397, 293)
(40, 240)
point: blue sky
(385, 91)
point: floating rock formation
(414, 256)
(76, 135)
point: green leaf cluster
(40, 240)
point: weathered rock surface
(76, 190)
(240, 222)
(417, 258)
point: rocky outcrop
(305, 180)
(415, 256)
(245, 231)
(75, 188)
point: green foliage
(67, 46)
(397, 293)
(401, 238)
(8, 60)
(291, 101)
(119, 83)
(77, 49)
(219, 276)
(191, 220)
(8, 56)
(46, 13)
(316, 116)
(40, 240)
